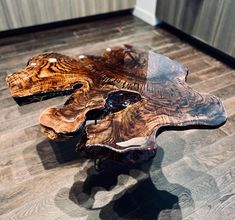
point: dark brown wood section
(192, 175)
(132, 92)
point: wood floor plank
(205, 192)
(215, 83)
(212, 207)
(225, 92)
(229, 127)
(216, 153)
(186, 142)
(207, 73)
(25, 192)
(229, 105)
(203, 160)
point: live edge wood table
(131, 92)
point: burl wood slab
(131, 92)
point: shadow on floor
(56, 153)
(121, 191)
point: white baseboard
(146, 16)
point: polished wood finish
(133, 92)
(192, 175)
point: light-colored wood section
(191, 177)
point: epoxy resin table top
(131, 92)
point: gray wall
(211, 21)
(23, 13)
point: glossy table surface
(119, 100)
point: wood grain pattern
(133, 93)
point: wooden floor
(192, 176)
